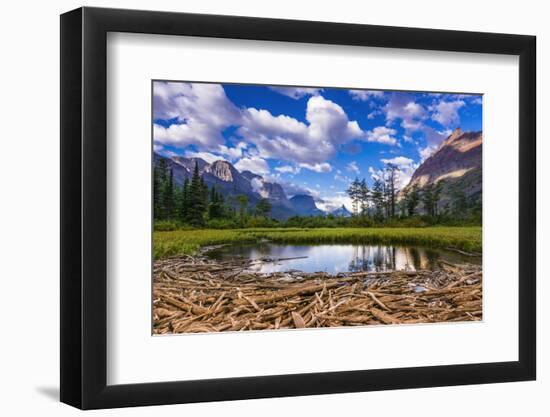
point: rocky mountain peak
(341, 212)
(458, 154)
(456, 164)
(189, 163)
(456, 134)
(222, 170)
(304, 205)
(273, 191)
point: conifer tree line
(194, 202)
(380, 201)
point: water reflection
(391, 258)
(339, 258)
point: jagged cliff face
(459, 154)
(222, 170)
(457, 165)
(273, 191)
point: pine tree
(459, 202)
(428, 199)
(243, 204)
(411, 200)
(184, 208)
(402, 208)
(215, 207)
(196, 209)
(223, 207)
(204, 192)
(178, 201)
(364, 196)
(159, 189)
(391, 177)
(168, 196)
(385, 198)
(354, 193)
(377, 197)
(263, 208)
(156, 193)
(436, 195)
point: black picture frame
(84, 207)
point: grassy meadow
(187, 242)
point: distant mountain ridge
(304, 205)
(341, 212)
(231, 182)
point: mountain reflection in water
(339, 258)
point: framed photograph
(257, 208)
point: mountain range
(230, 182)
(456, 164)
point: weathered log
(214, 297)
(299, 322)
(385, 317)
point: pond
(338, 257)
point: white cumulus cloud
(365, 95)
(382, 134)
(334, 202)
(288, 169)
(254, 164)
(286, 138)
(352, 167)
(233, 152)
(399, 161)
(296, 92)
(317, 167)
(446, 112)
(405, 169)
(341, 177)
(403, 106)
(201, 110)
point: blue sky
(310, 140)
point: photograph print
(299, 207)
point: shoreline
(188, 242)
(192, 294)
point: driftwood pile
(196, 295)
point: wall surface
(29, 220)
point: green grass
(182, 242)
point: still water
(338, 258)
